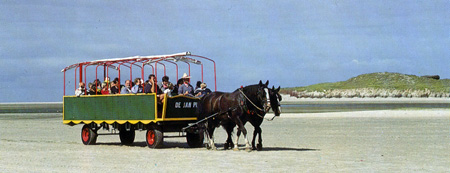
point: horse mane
(249, 88)
(251, 91)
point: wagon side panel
(120, 108)
(181, 108)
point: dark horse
(256, 117)
(229, 108)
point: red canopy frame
(140, 62)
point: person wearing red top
(105, 88)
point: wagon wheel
(154, 137)
(88, 136)
(195, 140)
(127, 137)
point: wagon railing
(140, 62)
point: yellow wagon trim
(108, 121)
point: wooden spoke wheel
(127, 137)
(195, 140)
(154, 137)
(88, 136)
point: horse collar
(262, 110)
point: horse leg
(238, 134)
(208, 146)
(210, 135)
(259, 131)
(229, 128)
(254, 138)
(241, 127)
(206, 133)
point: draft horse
(230, 107)
(256, 117)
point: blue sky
(289, 43)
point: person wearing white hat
(186, 88)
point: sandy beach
(362, 141)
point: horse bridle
(265, 108)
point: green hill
(389, 81)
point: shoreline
(423, 113)
(288, 100)
(31, 107)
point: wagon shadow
(166, 145)
(172, 145)
(136, 144)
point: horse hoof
(211, 148)
(248, 149)
(236, 149)
(226, 146)
(231, 145)
(259, 147)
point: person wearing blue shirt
(202, 91)
(127, 88)
(137, 88)
(186, 88)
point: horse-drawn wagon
(127, 113)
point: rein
(265, 117)
(262, 110)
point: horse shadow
(288, 149)
(269, 148)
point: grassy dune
(377, 84)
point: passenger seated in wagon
(81, 90)
(152, 87)
(175, 87)
(169, 90)
(127, 88)
(186, 88)
(165, 83)
(137, 88)
(93, 90)
(202, 91)
(105, 88)
(114, 87)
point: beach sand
(364, 141)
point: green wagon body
(127, 108)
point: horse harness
(251, 112)
(242, 104)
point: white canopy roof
(151, 59)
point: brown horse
(230, 107)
